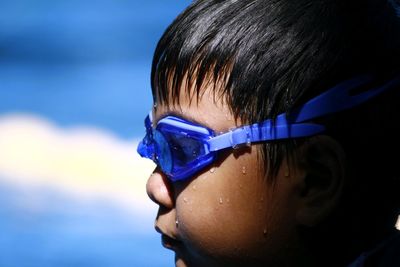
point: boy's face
(226, 215)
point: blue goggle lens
(178, 151)
(185, 149)
(162, 152)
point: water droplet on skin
(227, 200)
(194, 188)
(244, 170)
(185, 200)
(265, 232)
(261, 199)
(220, 200)
(212, 170)
(176, 223)
(240, 185)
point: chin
(179, 262)
(184, 261)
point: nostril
(159, 190)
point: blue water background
(57, 230)
(81, 61)
(78, 62)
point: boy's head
(223, 64)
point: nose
(159, 189)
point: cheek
(227, 212)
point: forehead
(207, 109)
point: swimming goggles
(182, 148)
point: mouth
(169, 242)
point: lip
(170, 243)
(167, 241)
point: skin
(228, 215)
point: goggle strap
(262, 132)
(337, 99)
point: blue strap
(334, 100)
(340, 98)
(263, 132)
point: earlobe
(323, 161)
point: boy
(271, 129)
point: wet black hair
(265, 57)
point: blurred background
(74, 90)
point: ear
(323, 162)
